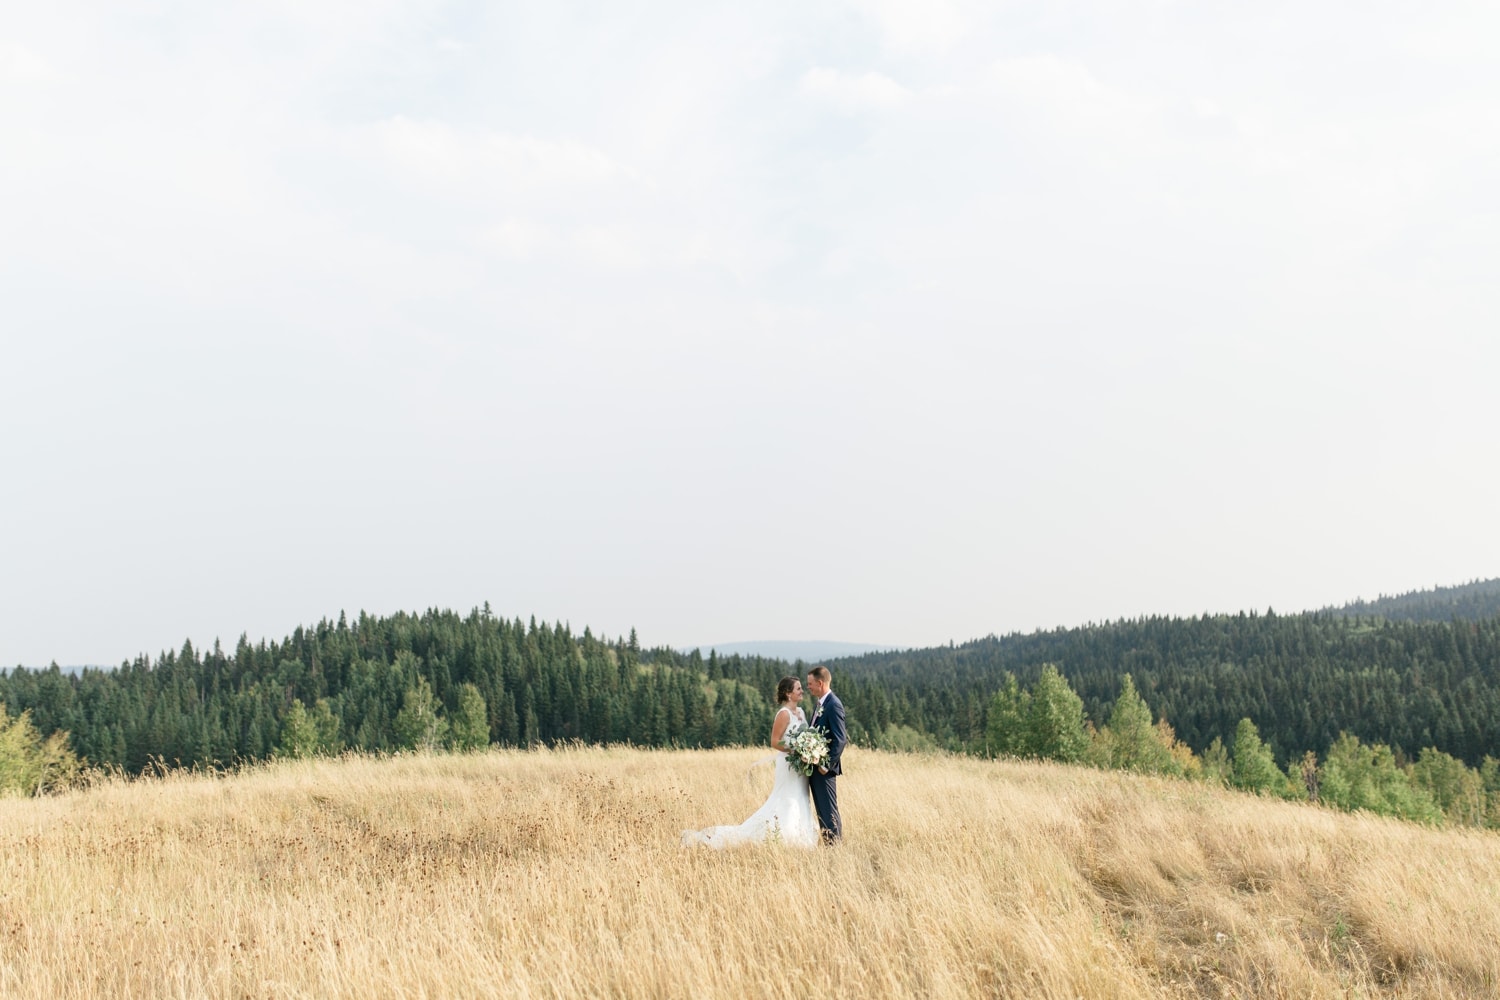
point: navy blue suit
(825, 793)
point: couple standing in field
(786, 815)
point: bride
(787, 815)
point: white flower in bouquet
(807, 751)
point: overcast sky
(895, 322)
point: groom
(829, 717)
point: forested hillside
(1303, 679)
(1469, 602)
(386, 684)
(443, 679)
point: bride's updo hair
(784, 689)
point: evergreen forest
(1308, 684)
(1304, 679)
(386, 684)
(1469, 601)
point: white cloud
(916, 26)
(20, 63)
(849, 93)
(609, 247)
(444, 154)
(1065, 94)
(518, 240)
(1204, 108)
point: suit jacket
(831, 721)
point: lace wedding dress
(787, 816)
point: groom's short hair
(821, 673)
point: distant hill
(1303, 679)
(792, 650)
(1473, 601)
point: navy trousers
(825, 793)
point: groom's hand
(822, 770)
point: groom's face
(814, 686)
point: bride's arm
(778, 728)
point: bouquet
(807, 751)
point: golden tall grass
(559, 874)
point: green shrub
(30, 764)
(1130, 742)
(469, 729)
(1054, 720)
(1252, 766)
(1360, 776)
(905, 739)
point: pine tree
(529, 732)
(508, 725)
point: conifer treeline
(1304, 679)
(1470, 601)
(406, 680)
(386, 684)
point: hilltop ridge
(1472, 601)
(792, 650)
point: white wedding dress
(787, 816)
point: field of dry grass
(559, 874)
